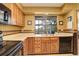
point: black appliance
(1, 39)
(5, 14)
(12, 48)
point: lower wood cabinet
(37, 46)
(54, 45)
(45, 45)
(30, 46)
(42, 45)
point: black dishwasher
(66, 45)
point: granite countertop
(23, 36)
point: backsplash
(9, 29)
(27, 31)
(11, 32)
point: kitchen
(38, 29)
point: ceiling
(42, 4)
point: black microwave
(5, 14)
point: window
(45, 24)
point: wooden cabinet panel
(14, 14)
(45, 45)
(8, 5)
(20, 19)
(25, 47)
(23, 21)
(42, 45)
(54, 45)
(37, 46)
(18, 16)
(30, 45)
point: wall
(29, 28)
(9, 27)
(74, 19)
(42, 10)
(67, 10)
(63, 26)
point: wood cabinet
(37, 46)
(54, 45)
(8, 5)
(42, 45)
(50, 45)
(30, 47)
(45, 45)
(14, 14)
(17, 16)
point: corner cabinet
(17, 16)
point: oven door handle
(15, 51)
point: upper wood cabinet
(8, 5)
(13, 14)
(17, 16)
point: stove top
(7, 46)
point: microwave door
(6, 16)
(1, 16)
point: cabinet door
(25, 47)
(18, 16)
(54, 45)
(45, 45)
(23, 20)
(37, 45)
(30, 45)
(13, 14)
(9, 5)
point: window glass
(45, 25)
